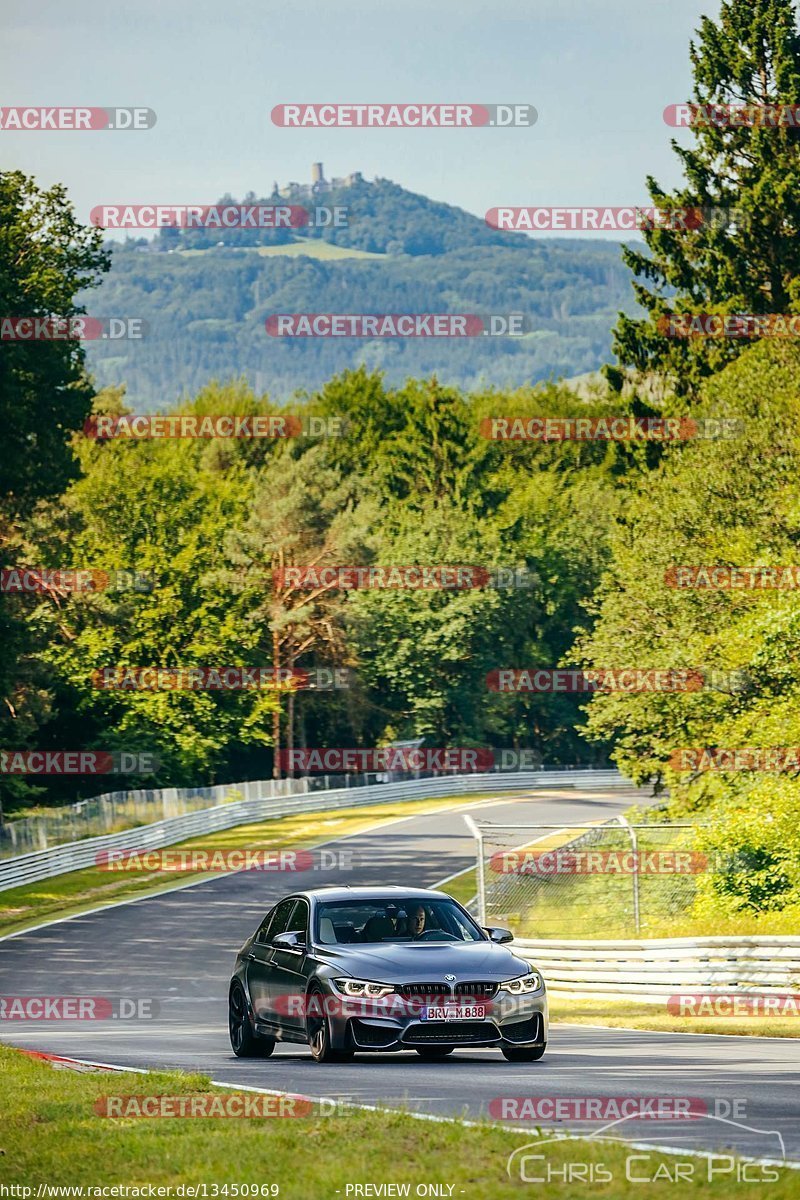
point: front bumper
(509, 1021)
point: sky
(599, 72)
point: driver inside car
(417, 921)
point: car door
(287, 981)
(260, 961)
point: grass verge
(52, 1135)
(627, 1014)
(599, 905)
(595, 1010)
(65, 895)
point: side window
(264, 931)
(280, 920)
(298, 922)
(461, 927)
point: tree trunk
(276, 716)
(290, 730)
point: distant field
(307, 248)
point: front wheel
(318, 1031)
(245, 1043)
(523, 1053)
(434, 1051)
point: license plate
(453, 1012)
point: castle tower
(317, 174)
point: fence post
(478, 835)
(635, 874)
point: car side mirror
(289, 941)
(499, 935)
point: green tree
(448, 495)
(745, 261)
(730, 503)
(166, 509)
(46, 258)
(301, 516)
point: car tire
(244, 1042)
(523, 1053)
(318, 1031)
(434, 1051)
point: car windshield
(344, 922)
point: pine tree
(743, 255)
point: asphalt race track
(179, 950)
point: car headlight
(531, 982)
(363, 987)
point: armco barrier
(71, 856)
(650, 971)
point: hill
(205, 295)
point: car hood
(420, 962)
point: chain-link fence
(609, 880)
(116, 811)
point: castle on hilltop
(318, 186)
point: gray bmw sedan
(352, 969)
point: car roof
(339, 892)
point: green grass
(51, 1134)
(463, 887)
(305, 247)
(600, 906)
(77, 891)
(627, 1014)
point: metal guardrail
(114, 811)
(72, 856)
(650, 971)
(111, 812)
